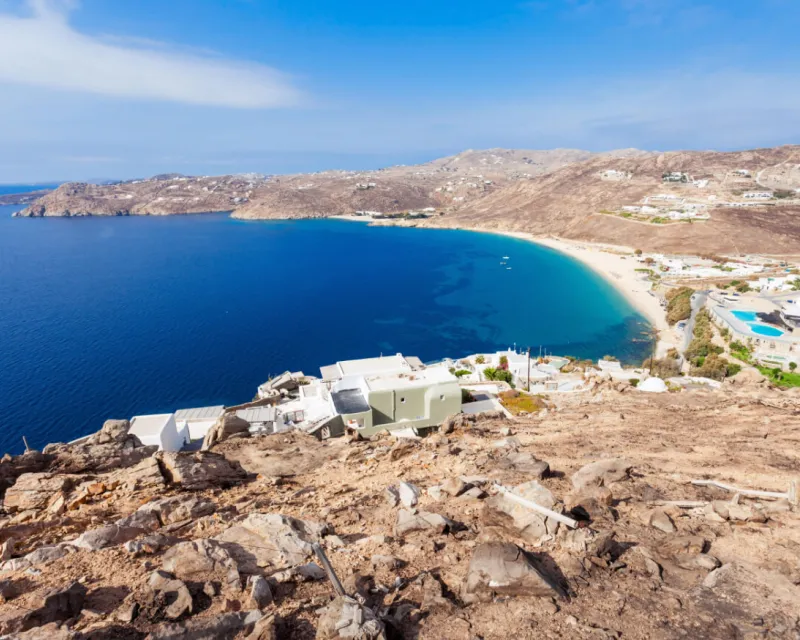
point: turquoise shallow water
(110, 317)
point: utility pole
(653, 350)
(529, 369)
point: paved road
(698, 302)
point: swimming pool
(747, 316)
(764, 330)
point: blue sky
(98, 88)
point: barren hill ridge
(740, 202)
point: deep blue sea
(23, 188)
(112, 317)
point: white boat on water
(506, 258)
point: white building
(160, 430)
(757, 195)
(196, 422)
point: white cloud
(44, 50)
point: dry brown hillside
(568, 202)
(104, 540)
(565, 192)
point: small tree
(503, 363)
(638, 252)
(792, 366)
(480, 360)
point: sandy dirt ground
(622, 577)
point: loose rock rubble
(419, 532)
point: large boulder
(173, 593)
(110, 448)
(144, 475)
(228, 424)
(57, 605)
(202, 561)
(528, 524)
(200, 470)
(505, 569)
(36, 491)
(601, 473)
(272, 541)
(12, 467)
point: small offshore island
(417, 495)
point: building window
(402, 400)
(441, 397)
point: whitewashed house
(160, 430)
(197, 421)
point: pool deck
(787, 342)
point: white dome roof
(653, 385)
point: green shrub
(634, 382)
(663, 367)
(499, 375)
(466, 396)
(461, 373)
(679, 306)
(480, 360)
(792, 366)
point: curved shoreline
(614, 264)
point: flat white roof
(257, 414)
(149, 425)
(367, 366)
(409, 380)
(200, 413)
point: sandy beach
(618, 267)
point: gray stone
(345, 617)
(202, 560)
(47, 554)
(272, 541)
(530, 525)
(659, 519)
(200, 470)
(505, 569)
(220, 627)
(179, 508)
(392, 495)
(228, 425)
(409, 494)
(601, 473)
(454, 486)
(408, 522)
(436, 493)
(175, 593)
(36, 491)
(149, 544)
(386, 561)
(300, 573)
(58, 605)
(260, 593)
(106, 536)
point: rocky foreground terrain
(562, 192)
(107, 539)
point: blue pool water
(764, 330)
(746, 316)
(112, 317)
